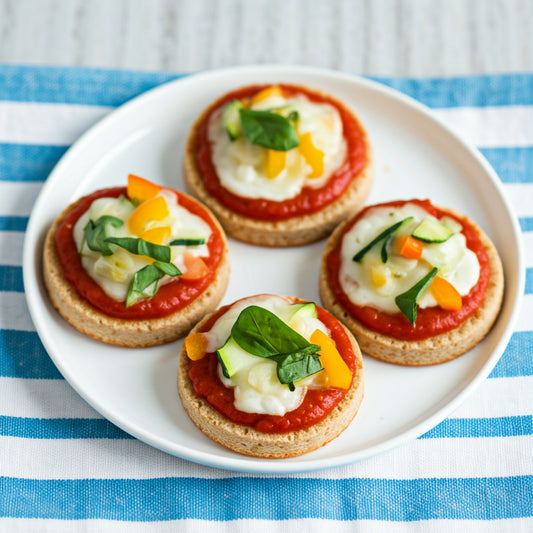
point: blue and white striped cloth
(65, 468)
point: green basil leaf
(383, 235)
(187, 242)
(97, 232)
(260, 332)
(406, 301)
(142, 247)
(268, 129)
(144, 278)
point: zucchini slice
(231, 118)
(431, 230)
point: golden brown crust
(247, 440)
(293, 231)
(434, 350)
(129, 333)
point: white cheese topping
(115, 272)
(257, 387)
(240, 164)
(456, 263)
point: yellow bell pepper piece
(446, 294)
(154, 209)
(379, 276)
(140, 189)
(336, 372)
(313, 156)
(157, 235)
(275, 162)
(274, 90)
(196, 345)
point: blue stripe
(27, 162)
(67, 85)
(509, 426)
(90, 428)
(474, 91)
(163, 499)
(513, 165)
(529, 281)
(94, 86)
(22, 355)
(517, 358)
(526, 223)
(13, 223)
(60, 428)
(11, 278)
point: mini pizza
(416, 284)
(135, 266)
(279, 165)
(271, 376)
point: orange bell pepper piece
(157, 235)
(275, 162)
(195, 267)
(140, 189)
(446, 294)
(336, 371)
(274, 90)
(196, 346)
(410, 247)
(313, 156)
(154, 209)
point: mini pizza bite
(135, 266)
(271, 376)
(416, 284)
(279, 165)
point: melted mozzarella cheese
(115, 272)
(240, 164)
(456, 263)
(257, 388)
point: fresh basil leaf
(383, 235)
(187, 242)
(406, 301)
(142, 247)
(97, 231)
(260, 332)
(145, 277)
(268, 129)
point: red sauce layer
(430, 321)
(171, 297)
(316, 405)
(310, 200)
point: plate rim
(33, 245)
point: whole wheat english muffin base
(125, 332)
(433, 350)
(249, 441)
(293, 231)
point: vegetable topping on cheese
(271, 351)
(402, 258)
(271, 146)
(131, 245)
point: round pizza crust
(293, 231)
(125, 332)
(433, 350)
(249, 441)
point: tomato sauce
(316, 405)
(430, 321)
(310, 200)
(170, 297)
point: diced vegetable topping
(431, 230)
(196, 346)
(140, 189)
(313, 156)
(336, 372)
(410, 247)
(274, 90)
(231, 119)
(154, 209)
(157, 235)
(274, 162)
(195, 267)
(446, 294)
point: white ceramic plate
(415, 156)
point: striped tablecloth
(64, 468)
